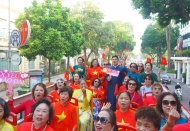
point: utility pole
(9, 44)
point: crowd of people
(106, 101)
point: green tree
(91, 19)
(49, 30)
(154, 40)
(165, 10)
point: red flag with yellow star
(104, 56)
(71, 69)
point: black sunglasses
(103, 120)
(105, 64)
(133, 84)
(166, 102)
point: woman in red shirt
(95, 71)
(132, 88)
(39, 91)
(75, 84)
(98, 95)
(125, 115)
(59, 84)
(157, 91)
(42, 113)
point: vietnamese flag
(163, 61)
(66, 75)
(127, 48)
(104, 56)
(148, 60)
(71, 69)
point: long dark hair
(159, 104)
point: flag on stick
(71, 69)
(104, 56)
(148, 60)
(163, 61)
(127, 48)
(66, 75)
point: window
(31, 64)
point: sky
(113, 10)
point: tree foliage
(101, 34)
(53, 32)
(154, 40)
(165, 10)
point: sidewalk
(53, 79)
(173, 78)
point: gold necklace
(2, 125)
(34, 127)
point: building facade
(182, 64)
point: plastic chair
(12, 119)
(28, 118)
(74, 101)
(134, 105)
(146, 94)
(124, 127)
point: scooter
(178, 91)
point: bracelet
(171, 125)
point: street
(185, 90)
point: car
(165, 79)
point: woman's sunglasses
(103, 120)
(60, 82)
(133, 84)
(166, 102)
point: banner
(12, 78)
(111, 72)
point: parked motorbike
(178, 91)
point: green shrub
(171, 71)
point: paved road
(185, 88)
(53, 79)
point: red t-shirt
(95, 72)
(55, 96)
(136, 97)
(74, 87)
(25, 106)
(26, 126)
(64, 118)
(127, 117)
(182, 127)
(151, 100)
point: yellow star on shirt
(95, 72)
(122, 122)
(61, 117)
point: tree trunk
(45, 66)
(49, 70)
(85, 55)
(168, 41)
(68, 62)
